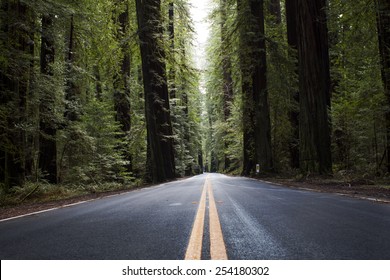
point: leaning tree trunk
(48, 130)
(383, 23)
(314, 85)
(157, 109)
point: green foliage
(183, 82)
(89, 149)
(95, 156)
(92, 148)
(223, 138)
(357, 109)
(282, 85)
(358, 100)
(42, 192)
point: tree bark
(48, 130)
(383, 24)
(157, 109)
(314, 84)
(292, 38)
(263, 146)
(248, 118)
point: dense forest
(108, 91)
(304, 82)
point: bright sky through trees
(199, 13)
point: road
(206, 216)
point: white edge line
(318, 191)
(77, 203)
(56, 208)
(47, 210)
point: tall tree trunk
(256, 115)
(227, 75)
(263, 146)
(157, 107)
(200, 161)
(314, 81)
(48, 130)
(248, 118)
(383, 23)
(122, 87)
(292, 38)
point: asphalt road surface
(207, 216)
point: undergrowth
(33, 192)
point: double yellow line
(217, 245)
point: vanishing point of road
(210, 216)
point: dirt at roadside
(358, 190)
(26, 208)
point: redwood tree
(256, 115)
(262, 133)
(314, 86)
(292, 38)
(157, 110)
(246, 89)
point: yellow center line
(194, 249)
(217, 245)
